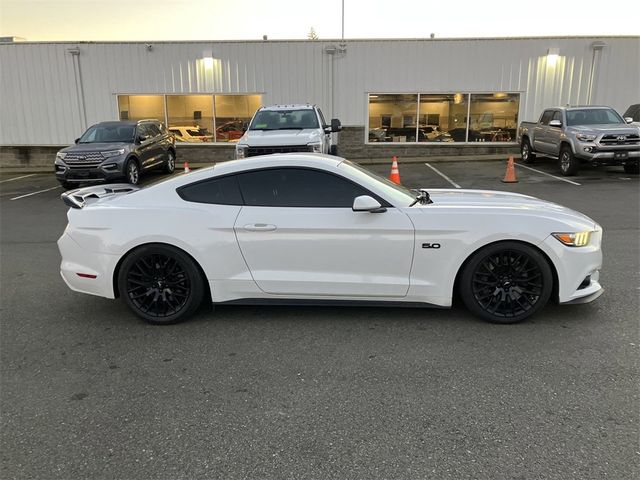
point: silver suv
(110, 151)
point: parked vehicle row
(576, 135)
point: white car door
(299, 236)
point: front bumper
(595, 155)
(108, 171)
(578, 269)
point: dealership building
(410, 98)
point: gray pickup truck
(575, 135)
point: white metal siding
(39, 104)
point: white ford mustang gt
(316, 229)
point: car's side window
(557, 115)
(322, 118)
(143, 130)
(298, 187)
(546, 117)
(220, 191)
(154, 129)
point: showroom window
(194, 118)
(140, 107)
(190, 117)
(233, 113)
(450, 117)
(494, 117)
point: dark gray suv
(110, 151)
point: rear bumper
(76, 260)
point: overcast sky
(41, 20)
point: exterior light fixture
(207, 59)
(552, 56)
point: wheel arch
(116, 270)
(554, 272)
(566, 143)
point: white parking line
(548, 174)
(443, 175)
(35, 193)
(17, 178)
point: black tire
(632, 169)
(526, 152)
(569, 164)
(333, 150)
(170, 164)
(160, 284)
(506, 282)
(132, 172)
(69, 186)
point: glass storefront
(194, 118)
(451, 117)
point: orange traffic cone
(510, 174)
(395, 173)
(186, 167)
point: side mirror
(336, 126)
(628, 119)
(76, 141)
(365, 203)
(555, 123)
(141, 138)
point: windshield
(108, 134)
(400, 195)
(284, 120)
(593, 116)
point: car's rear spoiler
(77, 198)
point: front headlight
(241, 151)
(61, 155)
(112, 153)
(585, 138)
(315, 147)
(578, 239)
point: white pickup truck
(288, 128)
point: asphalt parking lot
(90, 391)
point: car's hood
(266, 138)
(94, 147)
(620, 129)
(501, 202)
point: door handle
(260, 227)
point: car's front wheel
(161, 284)
(569, 164)
(132, 172)
(506, 282)
(170, 165)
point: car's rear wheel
(506, 282)
(526, 153)
(170, 165)
(569, 164)
(633, 169)
(161, 284)
(132, 172)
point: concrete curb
(362, 161)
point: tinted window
(546, 117)
(143, 130)
(108, 133)
(557, 116)
(293, 187)
(221, 191)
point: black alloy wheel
(525, 152)
(161, 284)
(506, 282)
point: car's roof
(295, 106)
(126, 122)
(581, 107)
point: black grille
(622, 139)
(84, 160)
(253, 151)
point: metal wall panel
(39, 101)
